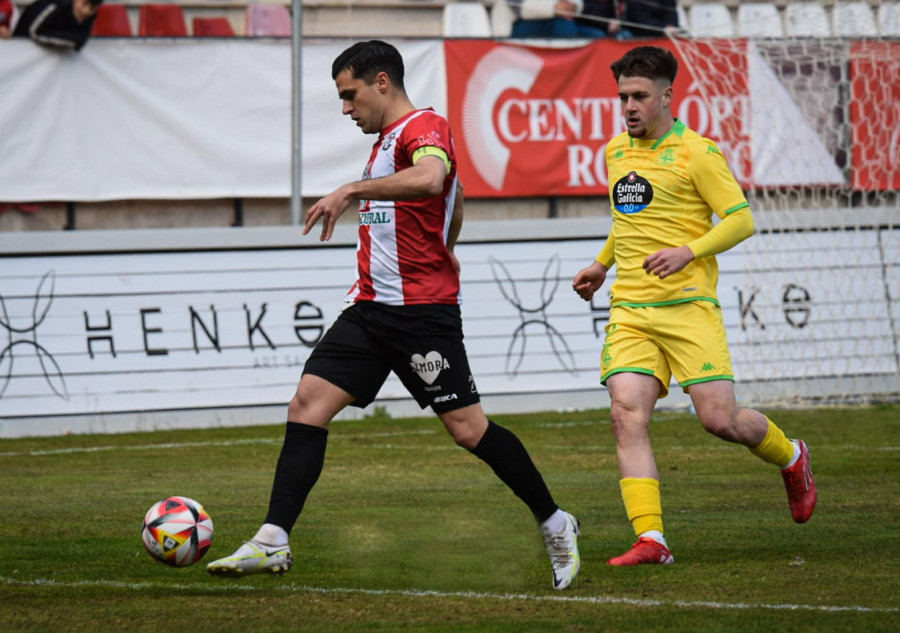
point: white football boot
(563, 550)
(253, 558)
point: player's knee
(468, 442)
(297, 409)
(625, 421)
(719, 423)
(293, 410)
(466, 437)
(464, 427)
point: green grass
(406, 532)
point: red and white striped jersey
(402, 256)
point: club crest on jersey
(388, 141)
(429, 366)
(632, 194)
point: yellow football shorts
(686, 340)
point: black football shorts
(421, 344)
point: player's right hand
(329, 208)
(588, 280)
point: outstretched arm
(422, 180)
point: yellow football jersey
(663, 194)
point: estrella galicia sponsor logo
(632, 194)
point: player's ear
(667, 96)
(382, 81)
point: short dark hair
(367, 59)
(651, 62)
(95, 3)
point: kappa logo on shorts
(429, 366)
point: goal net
(811, 128)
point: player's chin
(636, 131)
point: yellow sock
(642, 504)
(775, 447)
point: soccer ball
(177, 531)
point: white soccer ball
(177, 531)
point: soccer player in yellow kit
(666, 181)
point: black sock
(506, 455)
(299, 466)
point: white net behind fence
(815, 141)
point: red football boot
(645, 552)
(800, 486)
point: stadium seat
(711, 19)
(112, 21)
(267, 20)
(889, 19)
(759, 19)
(683, 22)
(853, 19)
(466, 19)
(162, 20)
(806, 19)
(502, 18)
(212, 27)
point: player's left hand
(329, 208)
(668, 261)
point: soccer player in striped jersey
(665, 182)
(403, 315)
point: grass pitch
(406, 532)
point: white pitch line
(468, 595)
(170, 445)
(365, 436)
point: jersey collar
(677, 130)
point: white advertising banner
(161, 119)
(138, 332)
(154, 331)
(182, 118)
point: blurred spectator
(557, 18)
(7, 10)
(611, 14)
(61, 24)
(658, 15)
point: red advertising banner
(875, 114)
(533, 121)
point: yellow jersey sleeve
(607, 255)
(713, 179)
(732, 230)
